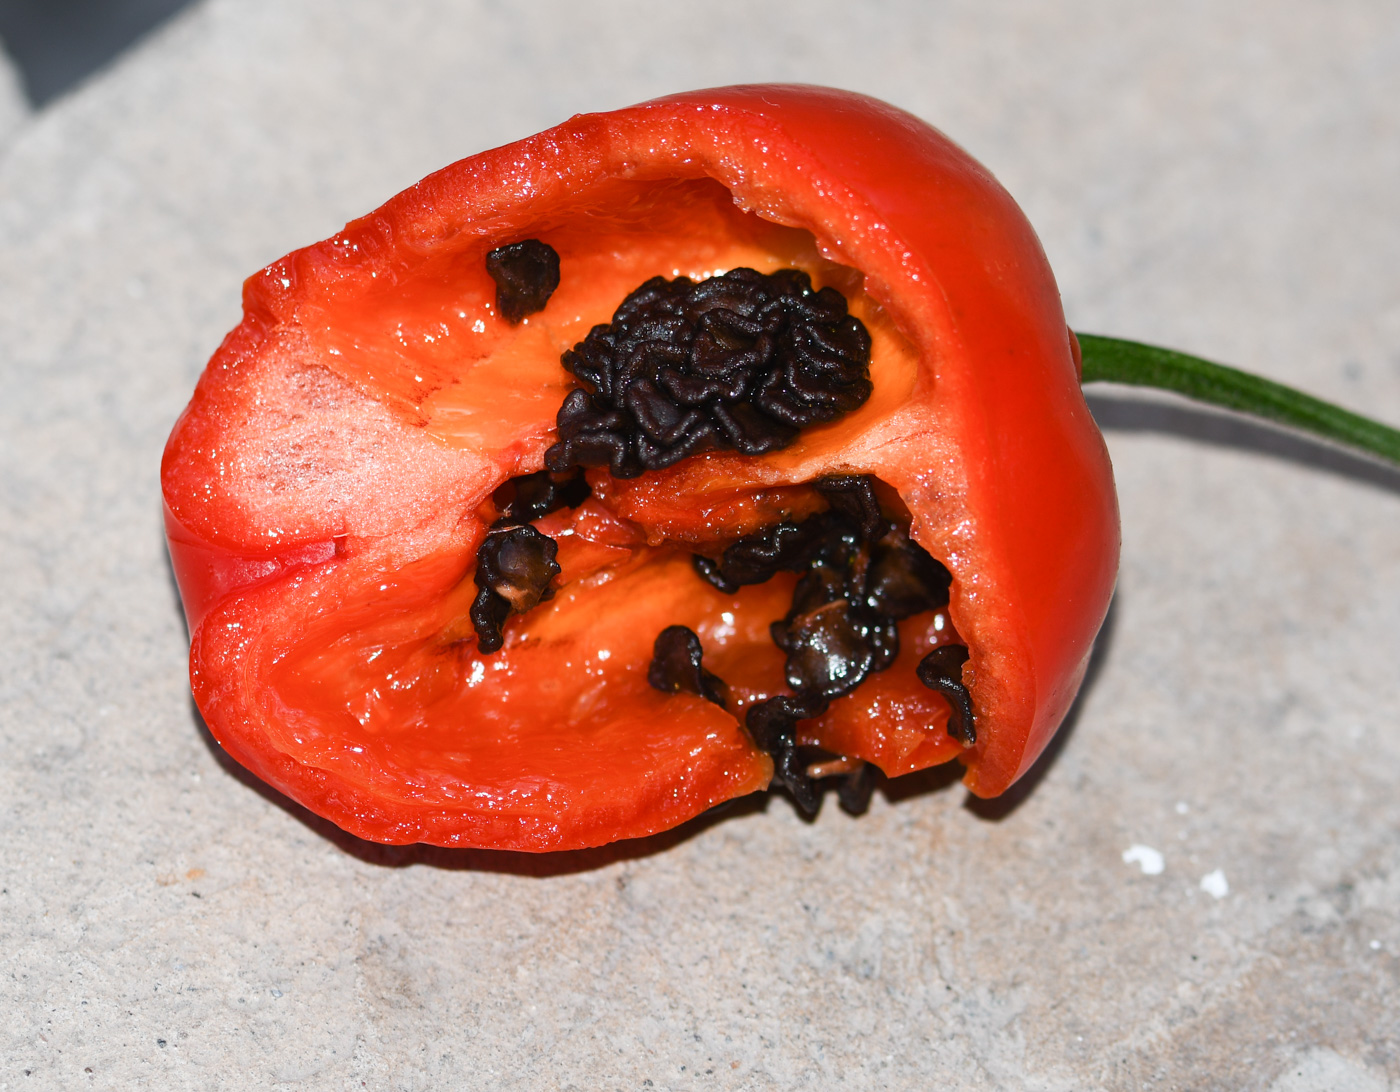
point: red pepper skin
(289, 501)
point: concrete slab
(1221, 177)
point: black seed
(828, 653)
(903, 578)
(603, 448)
(883, 636)
(534, 495)
(941, 670)
(526, 274)
(853, 495)
(489, 612)
(756, 558)
(828, 650)
(773, 726)
(712, 573)
(513, 569)
(856, 789)
(742, 362)
(675, 666)
(783, 547)
(820, 586)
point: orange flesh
(398, 700)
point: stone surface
(1221, 177)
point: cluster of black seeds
(526, 274)
(861, 574)
(515, 564)
(742, 361)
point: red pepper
(330, 483)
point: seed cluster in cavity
(861, 575)
(743, 361)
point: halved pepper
(340, 464)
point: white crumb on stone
(1215, 884)
(1150, 860)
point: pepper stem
(1113, 360)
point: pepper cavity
(743, 361)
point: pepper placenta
(442, 587)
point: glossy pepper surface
(330, 483)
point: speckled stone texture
(1223, 177)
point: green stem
(1113, 360)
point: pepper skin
(328, 486)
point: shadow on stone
(1125, 413)
(56, 44)
(540, 865)
(935, 779)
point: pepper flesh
(330, 482)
